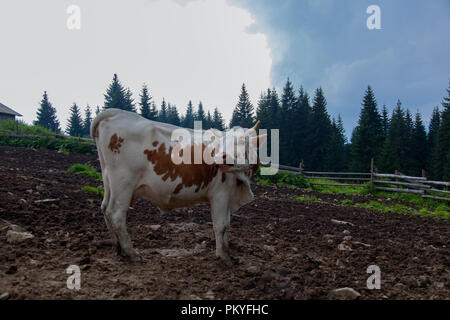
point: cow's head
(237, 149)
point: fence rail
(397, 182)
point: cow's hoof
(134, 256)
(225, 259)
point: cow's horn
(255, 128)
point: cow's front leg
(221, 222)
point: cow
(136, 158)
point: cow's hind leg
(221, 222)
(116, 213)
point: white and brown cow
(136, 160)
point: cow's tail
(95, 135)
(101, 116)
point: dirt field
(282, 248)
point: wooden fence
(397, 182)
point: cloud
(183, 49)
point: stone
(155, 227)
(342, 222)
(210, 295)
(269, 248)
(345, 294)
(4, 296)
(254, 269)
(344, 246)
(14, 237)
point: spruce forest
(396, 141)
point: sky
(203, 50)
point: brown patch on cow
(199, 175)
(155, 143)
(224, 177)
(115, 143)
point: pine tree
(208, 121)
(148, 108)
(243, 113)
(385, 121)
(87, 121)
(301, 118)
(368, 137)
(46, 115)
(418, 146)
(97, 111)
(172, 115)
(274, 104)
(433, 163)
(162, 116)
(218, 122)
(395, 150)
(116, 95)
(129, 101)
(188, 120)
(335, 159)
(444, 139)
(263, 111)
(320, 133)
(286, 116)
(200, 114)
(75, 123)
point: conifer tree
(418, 146)
(87, 121)
(188, 120)
(147, 106)
(444, 139)
(320, 133)
(75, 123)
(368, 137)
(116, 95)
(385, 121)
(129, 101)
(200, 114)
(433, 163)
(46, 115)
(243, 113)
(263, 111)
(97, 111)
(301, 119)
(335, 159)
(395, 150)
(286, 116)
(208, 121)
(162, 116)
(217, 120)
(172, 115)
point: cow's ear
(259, 140)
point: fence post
(424, 174)
(371, 173)
(17, 126)
(396, 179)
(301, 167)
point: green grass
(308, 199)
(282, 179)
(23, 127)
(85, 169)
(97, 190)
(363, 189)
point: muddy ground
(282, 248)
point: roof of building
(5, 109)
